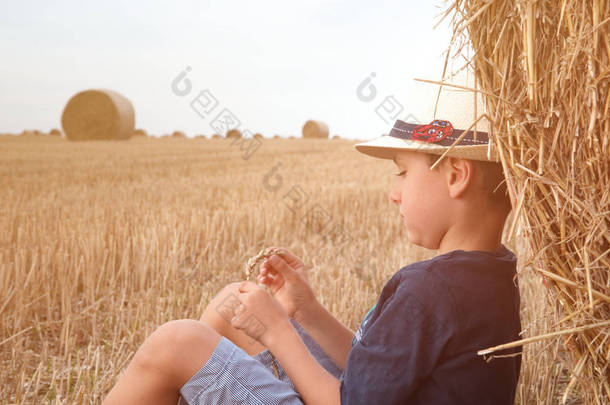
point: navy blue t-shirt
(419, 342)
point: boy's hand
(285, 276)
(260, 315)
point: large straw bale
(98, 114)
(140, 132)
(55, 132)
(543, 68)
(258, 136)
(315, 129)
(178, 134)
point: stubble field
(102, 242)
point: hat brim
(386, 147)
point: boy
(417, 344)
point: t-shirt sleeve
(398, 349)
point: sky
(265, 66)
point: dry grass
(105, 241)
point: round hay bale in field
(233, 133)
(336, 137)
(139, 132)
(200, 137)
(276, 137)
(28, 132)
(98, 114)
(292, 137)
(258, 136)
(315, 129)
(216, 136)
(55, 132)
(178, 134)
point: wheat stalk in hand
(250, 265)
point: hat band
(438, 132)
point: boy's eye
(401, 173)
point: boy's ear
(458, 173)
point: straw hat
(440, 124)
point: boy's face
(423, 199)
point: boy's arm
(314, 384)
(332, 336)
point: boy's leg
(218, 315)
(167, 359)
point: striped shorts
(231, 376)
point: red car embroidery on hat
(435, 131)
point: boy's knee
(230, 288)
(219, 311)
(177, 349)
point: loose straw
(571, 283)
(541, 337)
(457, 86)
(459, 138)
